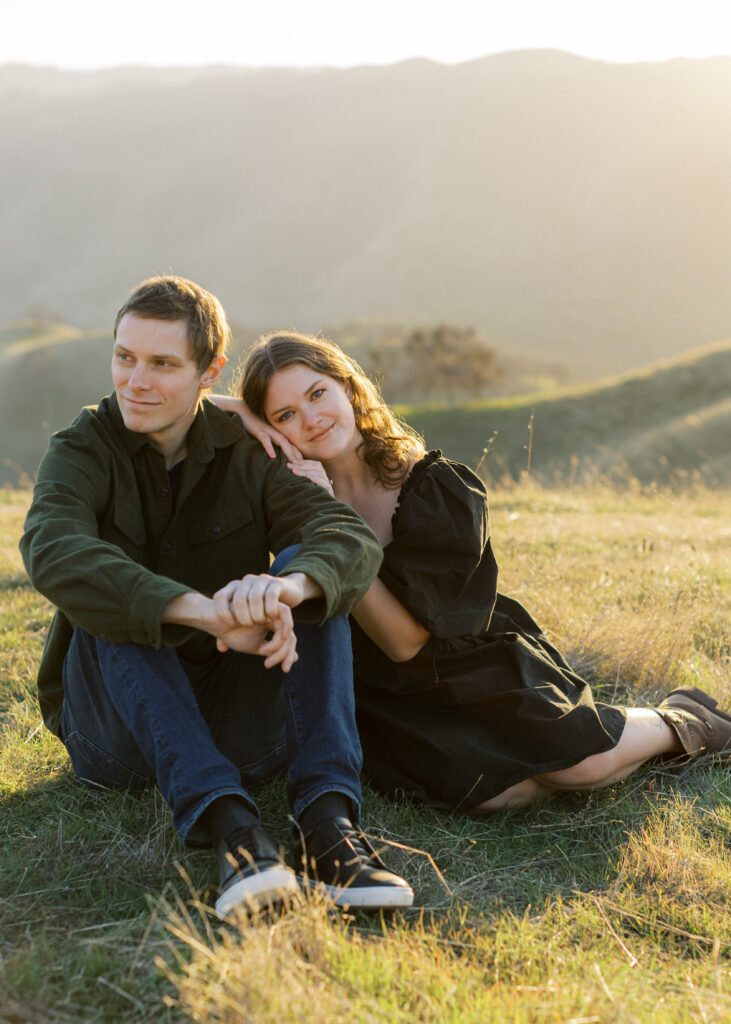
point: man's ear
(213, 372)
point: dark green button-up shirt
(106, 544)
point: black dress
(487, 702)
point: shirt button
(164, 492)
(168, 545)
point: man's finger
(245, 604)
(221, 603)
(272, 604)
(276, 651)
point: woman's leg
(520, 795)
(645, 736)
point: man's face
(156, 380)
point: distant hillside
(670, 422)
(564, 206)
(671, 418)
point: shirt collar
(211, 429)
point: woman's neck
(354, 484)
(350, 476)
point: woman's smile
(322, 434)
(313, 411)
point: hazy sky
(95, 33)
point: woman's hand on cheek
(315, 471)
(267, 437)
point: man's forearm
(272, 637)
(192, 610)
(300, 587)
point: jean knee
(97, 767)
(284, 558)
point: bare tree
(448, 360)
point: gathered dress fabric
(488, 701)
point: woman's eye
(318, 392)
(284, 417)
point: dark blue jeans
(133, 715)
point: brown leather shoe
(695, 719)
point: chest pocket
(127, 522)
(220, 523)
(226, 544)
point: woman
(462, 702)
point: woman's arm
(389, 624)
(259, 429)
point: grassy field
(589, 908)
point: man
(173, 656)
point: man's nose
(138, 377)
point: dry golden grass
(634, 588)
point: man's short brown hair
(176, 298)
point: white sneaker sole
(375, 896)
(258, 890)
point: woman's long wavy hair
(388, 444)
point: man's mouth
(136, 401)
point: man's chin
(138, 422)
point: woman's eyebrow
(276, 412)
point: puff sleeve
(440, 563)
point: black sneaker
(335, 857)
(251, 871)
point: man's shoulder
(223, 426)
(92, 419)
(94, 434)
(226, 431)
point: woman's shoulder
(435, 480)
(440, 563)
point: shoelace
(240, 838)
(357, 842)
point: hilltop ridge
(669, 420)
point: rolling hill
(668, 421)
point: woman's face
(313, 411)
